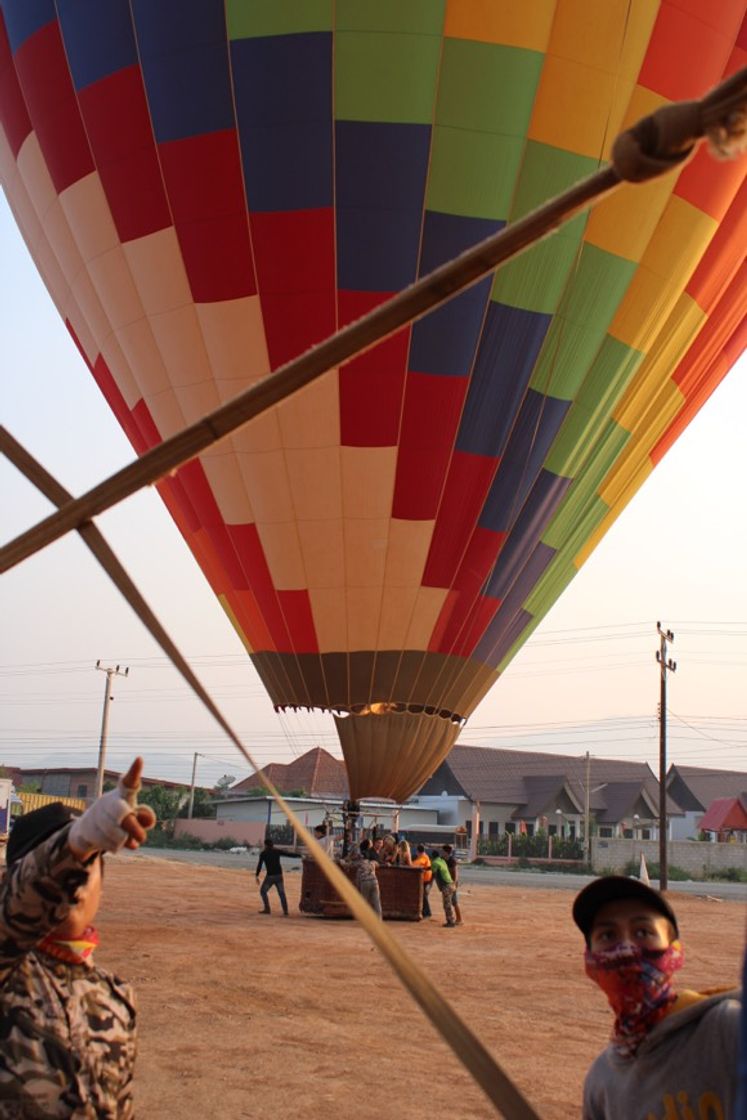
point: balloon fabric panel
(211, 188)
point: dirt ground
(249, 1016)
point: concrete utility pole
(665, 664)
(587, 811)
(110, 672)
(192, 786)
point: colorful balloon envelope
(208, 188)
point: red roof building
(317, 773)
(726, 814)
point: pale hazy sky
(587, 679)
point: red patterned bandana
(638, 985)
(75, 951)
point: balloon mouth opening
(378, 708)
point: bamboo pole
(492, 1079)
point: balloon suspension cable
(657, 144)
(483, 1067)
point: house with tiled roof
(527, 791)
(78, 781)
(320, 785)
(317, 773)
(694, 788)
(726, 819)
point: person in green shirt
(445, 884)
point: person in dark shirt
(270, 857)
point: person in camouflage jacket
(67, 1028)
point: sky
(587, 680)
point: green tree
(165, 803)
(223, 784)
(203, 807)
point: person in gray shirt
(672, 1056)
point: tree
(203, 806)
(4, 772)
(30, 787)
(165, 803)
(223, 784)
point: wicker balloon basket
(401, 890)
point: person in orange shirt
(422, 859)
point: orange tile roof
(317, 772)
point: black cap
(611, 888)
(31, 828)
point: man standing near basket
(445, 884)
(365, 874)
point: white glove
(100, 827)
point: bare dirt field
(249, 1016)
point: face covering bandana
(74, 951)
(638, 985)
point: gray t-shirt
(687, 1062)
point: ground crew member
(453, 866)
(365, 874)
(422, 859)
(445, 884)
(270, 857)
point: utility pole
(192, 786)
(587, 810)
(110, 672)
(665, 665)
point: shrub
(532, 847)
(224, 843)
(727, 874)
(676, 874)
(160, 838)
(280, 833)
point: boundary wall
(697, 857)
(245, 832)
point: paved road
(547, 880)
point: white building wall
(313, 812)
(455, 810)
(449, 808)
(685, 828)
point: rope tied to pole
(668, 137)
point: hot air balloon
(208, 188)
